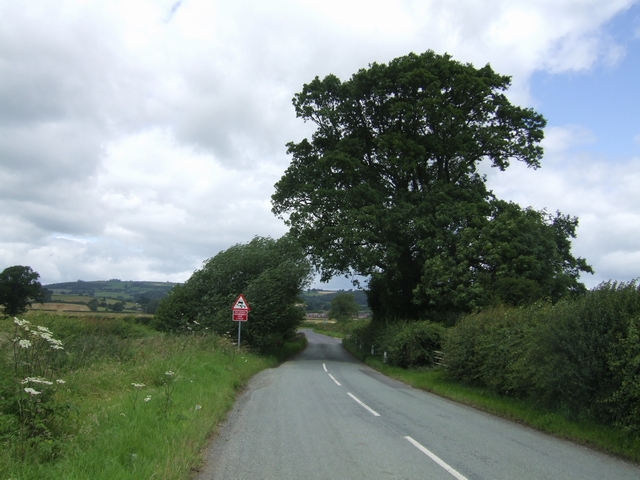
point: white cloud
(138, 139)
(603, 195)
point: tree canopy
(388, 183)
(270, 273)
(343, 307)
(19, 287)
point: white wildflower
(24, 343)
(60, 381)
(36, 380)
(147, 398)
(19, 322)
(31, 391)
(138, 385)
(198, 407)
(44, 330)
(169, 373)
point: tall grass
(111, 431)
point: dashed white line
(325, 367)
(437, 459)
(371, 410)
(337, 382)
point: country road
(324, 415)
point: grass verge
(600, 437)
(189, 383)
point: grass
(112, 432)
(600, 437)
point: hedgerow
(579, 356)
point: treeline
(579, 356)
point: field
(60, 307)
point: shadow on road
(322, 347)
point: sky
(139, 138)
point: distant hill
(320, 300)
(114, 288)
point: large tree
(389, 180)
(19, 287)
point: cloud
(138, 138)
(603, 195)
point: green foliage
(508, 255)
(388, 188)
(343, 307)
(30, 412)
(19, 286)
(93, 304)
(271, 274)
(411, 344)
(407, 344)
(105, 436)
(579, 356)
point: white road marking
(436, 459)
(337, 382)
(325, 367)
(371, 410)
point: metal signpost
(240, 314)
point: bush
(579, 356)
(411, 344)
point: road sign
(240, 315)
(241, 304)
(240, 311)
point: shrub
(580, 356)
(412, 344)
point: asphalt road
(324, 415)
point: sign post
(240, 313)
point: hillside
(320, 300)
(114, 289)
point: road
(324, 415)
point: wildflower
(44, 330)
(31, 391)
(147, 398)
(196, 322)
(198, 407)
(19, 322)
(24, 343)
(169, 373)
(138, 385)
(60, 381)
(36, 380)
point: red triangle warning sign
(241, 303)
